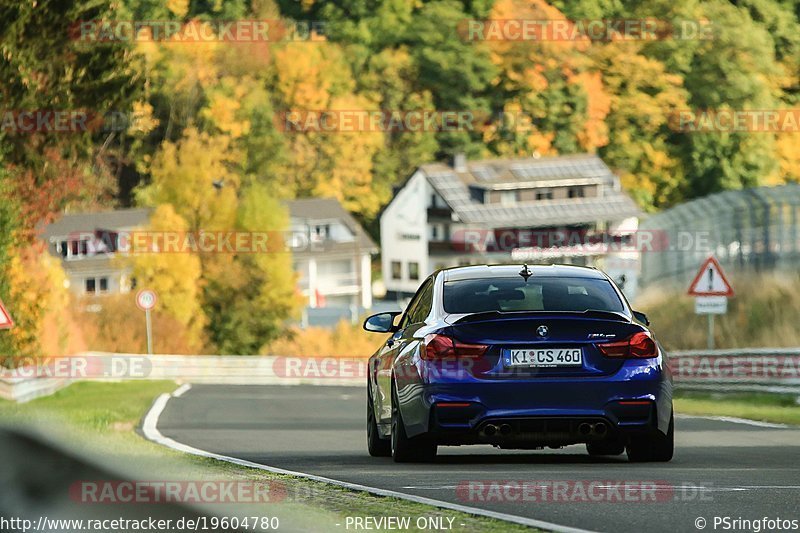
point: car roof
(513, 270)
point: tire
(656, 448)
(613, 447)
(377, 446)
(420, 449)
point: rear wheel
(405, 449)
(377, 446)
(611, 447)
(653, 448)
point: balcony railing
(334, 282)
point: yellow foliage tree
(337, 164)
(175, 277)
(41, 309)
(184, 175)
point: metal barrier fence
(751, 230)
(763, 369)
(744, 369)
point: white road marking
(657, 488)
(181, 390)
(151, 432)
(736, 420)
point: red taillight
(444, 347)
(639, 345)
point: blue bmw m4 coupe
(518, 357)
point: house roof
(72, 223)
(511, 174)
(311, 210)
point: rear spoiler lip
(460, 318)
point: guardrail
(30, 382)
(774, 370)
(763, 369)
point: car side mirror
(641, 317)
(382, 322)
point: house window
(413, 270)
(435, 232)
(433, 200)
(90, 285)
(575, 192)
(397, 270)
(322, 231)
(509, 197)
(103, 282)
(544, 194)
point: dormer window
(544, 194)
(322, 231)
(576, 192)
(509, 197)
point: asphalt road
(721, 469)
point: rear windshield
(537, 294)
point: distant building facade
(332, 254)
(87, 244)
(535, 210)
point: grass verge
(100, 419)
(777, 408)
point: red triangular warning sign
(710, 280)
(5, 318)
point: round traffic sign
(146, 299)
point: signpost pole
(146, 300)
(710, 331)
(149, 332)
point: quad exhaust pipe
(503, 429)
(585, 429)
(599, 429)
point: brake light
(638, 346)
(444, 347)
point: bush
(762, 313)
(115, 324)
(344, 340)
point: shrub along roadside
(762, 313)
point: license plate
(543, 357)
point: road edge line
(738, 420)
(151, 432)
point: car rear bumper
(540, 412)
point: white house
(87, 244)
(332, 253)
(567, 209)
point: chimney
(460, 162)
